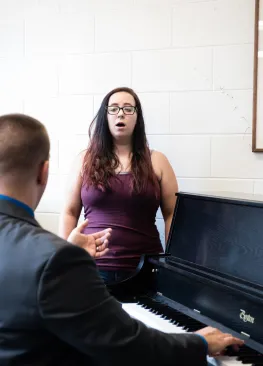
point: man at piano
(54, 307)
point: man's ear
(42, 177)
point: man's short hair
(24, 144)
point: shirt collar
(18, 203)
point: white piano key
(165, 325)
(228, 361)
(151, 320)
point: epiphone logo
(246, 317)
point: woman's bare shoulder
(158, 157)
(160, 163)
(78, 163)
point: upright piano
(210, 274)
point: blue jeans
(110, 277)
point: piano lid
(221, 234)
(215, 265)
(225, 195)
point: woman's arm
(169, 187)
(72, 208)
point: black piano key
(243, 351)
(257, 357)
(251, 359)
(245, 355)
(172, 315)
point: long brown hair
(100, 161)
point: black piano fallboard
(191, 321)
(212, 269)
(211, 302)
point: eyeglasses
(126, 110)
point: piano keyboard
(168, 320)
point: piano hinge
(245, 334)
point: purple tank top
(131, 217)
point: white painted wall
(190, 61)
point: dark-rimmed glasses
(128, 109)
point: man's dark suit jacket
(56, 311)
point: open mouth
(120, 124)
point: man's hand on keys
(218, 341)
